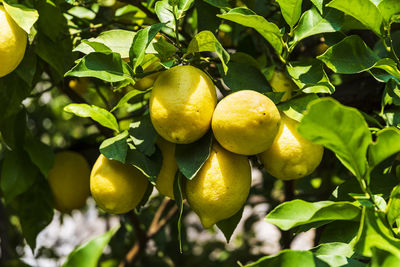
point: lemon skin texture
(146, 82)
(116, 187)
(169, 167)
(182, 103)
(246, 122)
(281, 83)
(69, 181)
(291, 156)
(13, 41)
(221, 187)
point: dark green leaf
(27, 68)
(291, 10)
(143, 135)
(295, 107)
(52, 22)
(229, 225)
(25, 17)
(13, 130)
(393, 208)
(387, 143)
(40, 154)
(115, 147)
(219, 3)
(191, 157)
(179, 197)
(149, 166)
(339, 231)
(208, 14)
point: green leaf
(229, 225)
(89, 254)
(27, 68)
(310, 76)
(141, 41)
(242, 76)
(339, 231)
(364, 11)
(341, 129)
(224, 4)
(108, 67)
(97, 47)
(291, 10)
(383, 258)
(390, 66)
(248, 18)
(387, 143)
(25, 17)
(115, 147)
(349, 56)
(289, 258)
(374, 232)
(183, 6)
(179, 197)
(128, 96)
(299, 212)
(205, 41)
(97, 114)
(52, 22)
(17, 174)
(208, 14)
(13, 130)
(40, 154)
(334, 248)
(165, 14)
(82, 12)
(295, 107)
(191, 157)
(143, 135)
(339, 261)
(149, 166)
(319, 4)
(393, 207)
(388, 9)
(312, 23)
(119, 41)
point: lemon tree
(192, 118)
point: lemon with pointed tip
(221, 187)
(282, 83)
(13, 41)
(291, 156)
(182, 103)
(246, 122)
(116, 187)
(169, 167)
(69, 181)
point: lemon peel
(169, 167)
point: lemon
(182, 103)
(291, 156)
(12, 43)
(117, 187)
(146, 82)
(246, 122)
(80, 85)
(69, 181)
(166, 177)
(221, 187)
(281, 83)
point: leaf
(242, 76)
(349, 56)
(191, 157)
(179, 198)
(393, 207)
(89, 254)
(374, 232)
(248, 18)
(108, 67)
(291, 10)
(229, 225)
(164, 12)
(119, 41)
(299, 212)
(128, 96)
(25, 17)
(17, 174)
(383, 258)
(318, 4)
(141, 41)
(143, 135)
(310, 76)
(26, 70)
(219, 3)
(312, 23)
(40, 154)
(390, 66)
(205, 41)
(295, 107)
(149, 166)
(207, 11)
(339, 128)
(364, 11)
(97, 114)
(289, 258)
(115, 147)
(387, 143)
(13, 130)
(388, 9)
(339, 231)
(339, 261)
(82, 12)
(183, 6)
(334, 248)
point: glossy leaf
(149, 166)
(295, 107)
(383, 258)
(97, 114)
(183, 6)
(290, 258)
(115, 147)
(143, 135)
(128, 96)
(389, 8)
(393, 208)
(219, 3)
(299, 212)
(334, 248)
(341, 129)
(387, 143)
(40, 154)
(229, 225)
(25, 17)
(165, 13)
(291, 10)
(319, 4)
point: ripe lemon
(246, 122)
(291, 156)
(12, 43)
(166, 177)
(281, 83)
(116, 187)
(146, 82)
(69, 181)
(80, 85)
(182, 103)
(221, 187)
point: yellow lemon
(246, 122)
(166, 177)
(117, 187)
(80, 85)
(221, 187)
(182, 103)
(12, 43)
(69, 181)
(281, 83)
(146, 82)
(291, 156)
